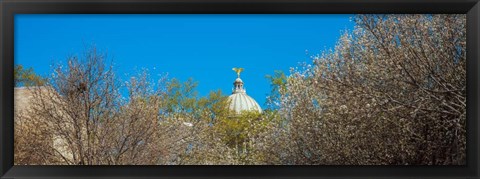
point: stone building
(23, 97)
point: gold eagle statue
(238, 70)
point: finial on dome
(238, 84)
(238, 70)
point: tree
(391, 92)
(277, 83)
(79, 117)
(26, 77)
(29, 135)
(87, 122)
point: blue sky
(204, 47)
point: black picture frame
(8, 8)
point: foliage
(26, 77)
(392, 91)
(278, 87)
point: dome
(238, 80)
(239, 100)
(242, 102)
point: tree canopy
(391, 92)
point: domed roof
(238, 80)
(239, 100)
(242, 102)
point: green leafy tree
(278, 83)
(26, 77)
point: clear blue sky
(204, 47)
